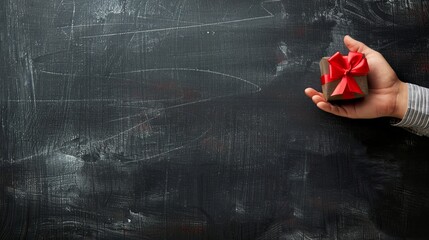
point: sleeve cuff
(417, 115)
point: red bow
(346, 67)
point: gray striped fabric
(416, 118)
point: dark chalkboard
(157, 119)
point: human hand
(387, 95)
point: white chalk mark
(33, 85)
(129, 117)
(94, 25)
(126, 131)
(176, 28)
(178, 21)
(270, 15)
(145, 8)
(82, 75)
(95, 99)
(192, 69)
(63, 100)
(72, 22)
(176, 148)
(121, 24)
(59, 74)
(193, 102)
(91, 76)
(71, 78)
(45, 152)
(159, 110)
(157, 115)
(164, 19)
(169, 151)
(165, 9)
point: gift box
(344, 77)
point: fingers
(317, 99)
(315, 96)
(356, 46)
(336, 110)
(310, 92)
(322, 104)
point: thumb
(356, 46)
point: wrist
(401, 103)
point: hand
(387, 95)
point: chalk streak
(124, 132)
(159, 110)
(270, 15)
(192, 69)
(92, 142)
(33, 85)
(174, 149)
(159, 69)
(95, 25)
(63, 100)
(189, 69)
(176, 28)
(120, 24)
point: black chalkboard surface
(156, 119)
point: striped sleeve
(416, 118)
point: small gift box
(344, 77)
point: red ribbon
(346, 67)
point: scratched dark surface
(157, 119)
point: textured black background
(164, 119)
